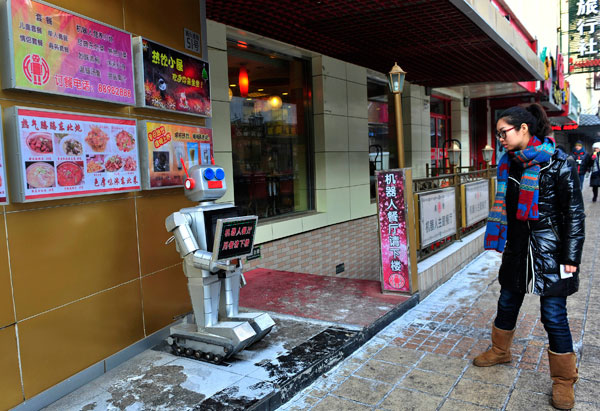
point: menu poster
(59, 154)
(3, 196)
(169, 80)
(51, 50)
(165, 146)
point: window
(270, 131)
(439, 121)
(380, 143)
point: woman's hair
(533, 115)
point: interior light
(243, 81)
(233, 85)
(275, 101)
(284, 94)
(261, 89)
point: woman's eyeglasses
(501, 135)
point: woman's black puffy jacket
(535, 249)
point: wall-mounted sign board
(58, 154)
(3, 193)
(167, 79)
(164, 145)
(51, 50)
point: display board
(393, 236)
(3, 192)
(234, 237)
(477, 202)
(51, 50)
(437, 215)
(58, 154)
(169, 80)
(584, 36)
(164, 145)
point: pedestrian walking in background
(583, 161)
(595, 170)
(537, 222)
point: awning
(440, 43)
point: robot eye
(209, 174)
(220, 174)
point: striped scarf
(535, 153)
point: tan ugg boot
(564, 373)
(500, 351)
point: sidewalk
(422, 361)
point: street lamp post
(454, 154)
(487, 152)
(396, 83)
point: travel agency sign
(584, 36)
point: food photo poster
(60, 154)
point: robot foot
(183, 351)
(212, 344)
(262, 323)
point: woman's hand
(570, 268)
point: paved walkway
(422, 361)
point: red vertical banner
(393, 236)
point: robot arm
(178, 224)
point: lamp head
(396, 79)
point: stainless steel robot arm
(203, 260)
(178, 224)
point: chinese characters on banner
(392, 231)
(57, 52)
(167, 145)
(59, 154)
(477, 201)
(236, 237)
(584, 30)
(3, 197)
(437, 215)
(171, 80)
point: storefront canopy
(440, 43)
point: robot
(212, 240)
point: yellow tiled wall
(90, 276)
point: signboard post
(57, 154)
(51, 50)
(164, 147)
(169, 80)
(393, 235)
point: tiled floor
(422, 361)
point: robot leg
(262, 323)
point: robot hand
(203, 260)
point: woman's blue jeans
(554, 318)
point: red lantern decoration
(243, 82)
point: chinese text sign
(63, 154)
(56, 52)
(393, 234)
(584, 39)
(166, 145)
(437, 215)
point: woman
(537, 221)
(595, 170)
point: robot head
(205, 183)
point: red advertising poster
(3, 197)
(170, 80)
(51, 50)
(393, 236)
(59, 154)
